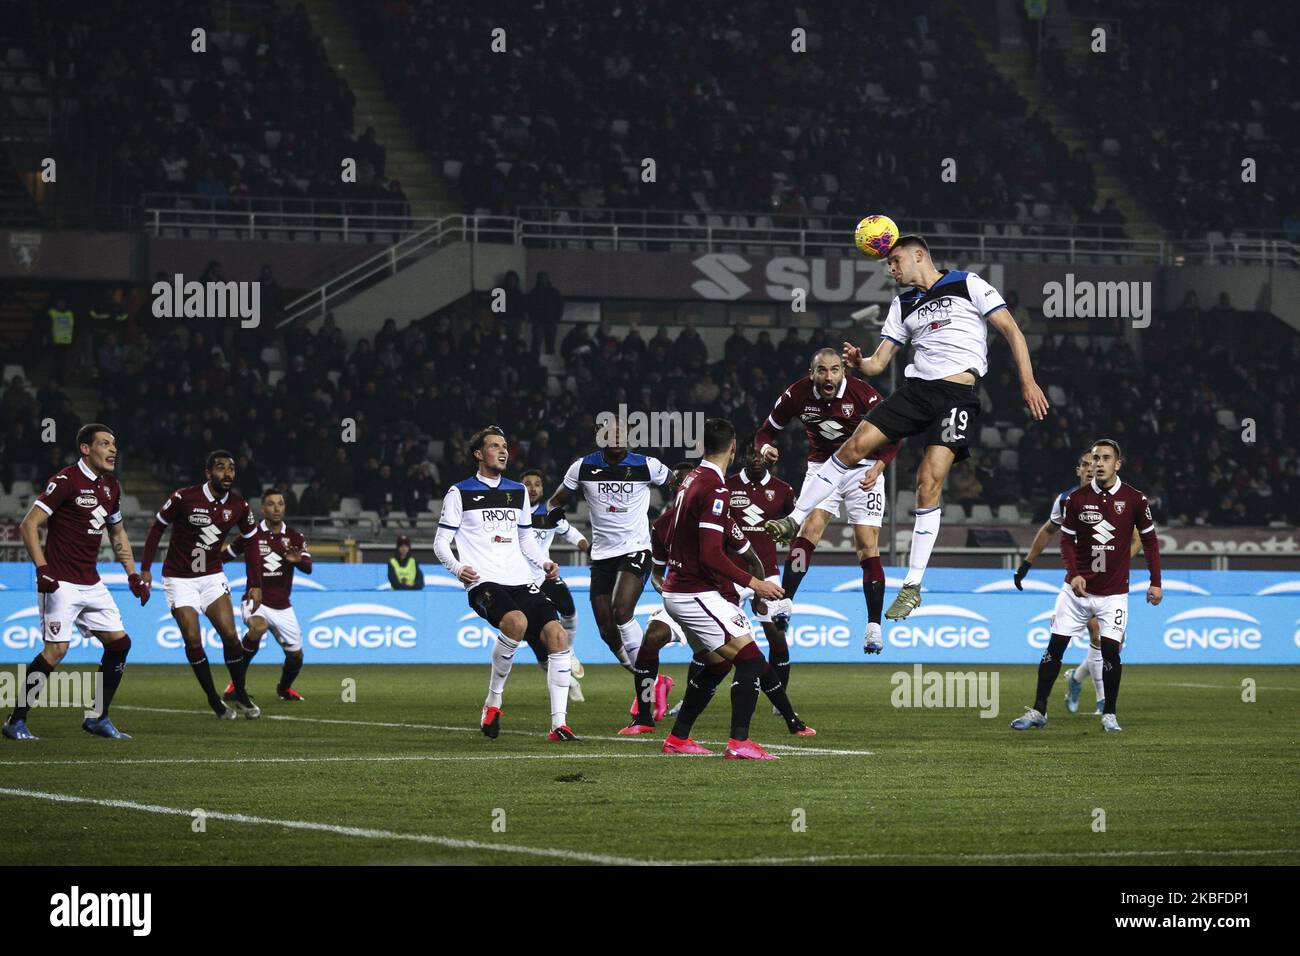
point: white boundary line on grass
(643, 738)
(1225, 686)
(581, 857)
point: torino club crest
(1119, 507)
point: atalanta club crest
(847, 409)
(1119, 507)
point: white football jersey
(618, 497)
(946, 325)
(487, 521)
(546, 536)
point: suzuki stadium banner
(350, 616)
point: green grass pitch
(402, 775)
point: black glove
(553, 518)
(1020, 574)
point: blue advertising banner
(349, 615)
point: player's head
(403, 546)
(1106, 459)
(909, 260)
(273, 505)
(97, 445)
(755, 463)
(612, 441)
(826, 371)
(532, 480)
(678, 475)
(488, 450)
(1083, 469)
(719, 441)
(220, 469)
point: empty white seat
(130, 505)
(990, 437)
(13, 371)
(906, 502)
(953, 514)
(351, 507)
(1056, 395)
(1009, 514)
(1226, 418)
(23, 490)
(298, 488)
(10, 505)
(1014, 435)
(981, 513)
(1009, 458)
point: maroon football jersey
(277, 573)
(661, 533)
(754, 502)
(826, 421)
(199, 524)
(697, 558)
(1097, 531)
(81, 505)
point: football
(875, 236)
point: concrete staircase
(404, 161)
(1017, 66)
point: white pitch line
(363, 832)
(991, 857)
(607, 859)
(642, 739)
(401, 758)
(1225, 686)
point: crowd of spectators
(260, 113)
(1181, 123)
(734, 119)
(385, 419)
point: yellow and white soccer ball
(875, 236)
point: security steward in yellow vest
(404, 572)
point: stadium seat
(369, 520)
(990, 437)
(298, 488)
(906, 502)
(1226, 418)
(273, 377)
(1056, 395)
(351, 507)
(13, 371)
(23, 490)
(1009, 514)
(954, 514)
(1009, 458)
(10, 505)
(981, 513)
(1014, 434)
(130, 504)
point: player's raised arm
(876, 363)
(1034, 398)
(564, 493)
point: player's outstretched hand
(1080, 585)
(467, 575)
(140, 588)
(766, 590)
(852, 356)
(46, 582)
(1154, 594)
(1020, 574)
(1035, 400)
(552, 570)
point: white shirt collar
(708, 464)
(1107, 491)
(744, 476)
(844, 384)
(87, 471)
(207, 493)
(490, 482)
